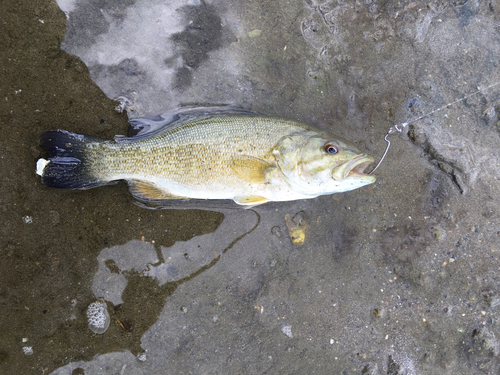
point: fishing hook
(396, 128)
(399, 127)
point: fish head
(321, 163)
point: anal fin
(145, 191)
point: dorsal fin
(149, 127)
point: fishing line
(400, 127)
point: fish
(208, 155)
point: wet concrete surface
(400, 277)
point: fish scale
(190, 151)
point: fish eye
(331, 149)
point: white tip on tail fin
(40, 166)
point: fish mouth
(358, 165)
(354, 168)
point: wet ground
(400, 277)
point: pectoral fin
(250, 200)
(145, 191)
(251, 169)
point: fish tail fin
(67, 166)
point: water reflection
(139, 281)
(140, 52)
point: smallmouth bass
(249, 158)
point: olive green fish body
(251, 159)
